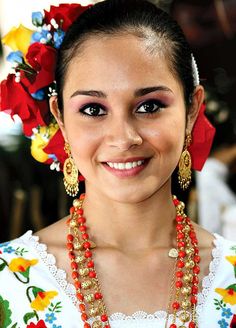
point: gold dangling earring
(71, 174)
(185, 164)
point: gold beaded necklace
(184, 286)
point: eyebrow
(137, 93)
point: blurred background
(32, 196)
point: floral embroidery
(5, 313)
(50, 317)
(40, 324)
(21, 268)
(43, 313)
(233, 322)
(231, 259)
(228, 297)
(223, 323)
(8, 250)
(229, 294)
(21, 265)
(42, 300)
(226, 313)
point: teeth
(128, 166)
(125, 166)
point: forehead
(119, 62)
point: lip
(122, 160)
(129, 172)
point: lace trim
(208, 280)
(69, 289)
(50, 261)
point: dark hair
(138, 17)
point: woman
(126, 104)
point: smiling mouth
(126, 166)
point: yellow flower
(42, 300)
(40, 140)
(18, 38)
(21, 265)
(229, 294)
(231, 259)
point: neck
(147, 224)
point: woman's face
(124, 118)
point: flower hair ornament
(27, 89)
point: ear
(197, 100)
(53, 103)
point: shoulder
(54, 234)
(226, 252)
(19, 247)
(17, 257)
(33, 292)
(215, 248)
(217, 299)
(219, 286)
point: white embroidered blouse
(34, 293)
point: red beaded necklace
(185, 281)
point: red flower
(56, 147)
(40, 324)
(233, 322)
(42, 58)
(64, 14)
(203, 135)
(15, 100)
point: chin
(132, 194)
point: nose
(123, 134)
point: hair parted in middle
(140, 18)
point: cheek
(166, 135)
(84, 141)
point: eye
(93, 110)
(151, 106)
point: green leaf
(29, 316)
(36, 290)
(233, 248)
(25, 273)
(232, 287)
(218, 308)
(14, 326)
(5, 313)
(2, 266)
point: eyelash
(160, 106)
